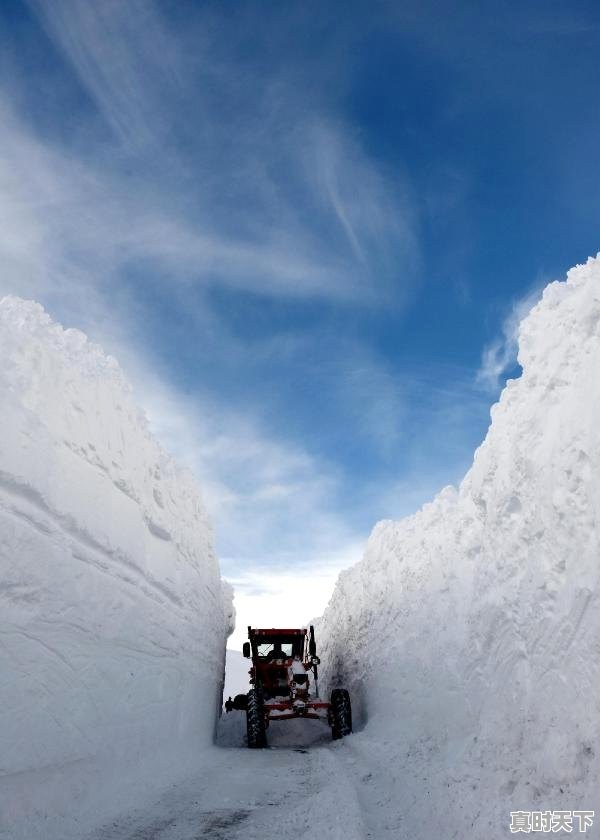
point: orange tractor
(285, 684)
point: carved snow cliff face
(114, 616)
(468, 634)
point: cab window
(271, 650)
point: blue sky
(306, 230)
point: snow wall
(113, 616)
(469, 635)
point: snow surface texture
(469, 635)
(275, 794)
(113, 614)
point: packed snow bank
(469, 633)
(113, 614)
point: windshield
(275, 650)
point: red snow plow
(285, 684)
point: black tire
(240, 701)
(341, 713)
(255, 720)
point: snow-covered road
(316, 788)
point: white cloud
(272, 597)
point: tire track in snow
(253, 794)
(375, 792)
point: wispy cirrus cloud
(257, 187)
(64, 216)
(126, 58)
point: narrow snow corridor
(302, 784)
(467, 636)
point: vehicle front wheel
(341, 713)
(240, 701)
(255, 720)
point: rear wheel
(255, 720)
(341, 713)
